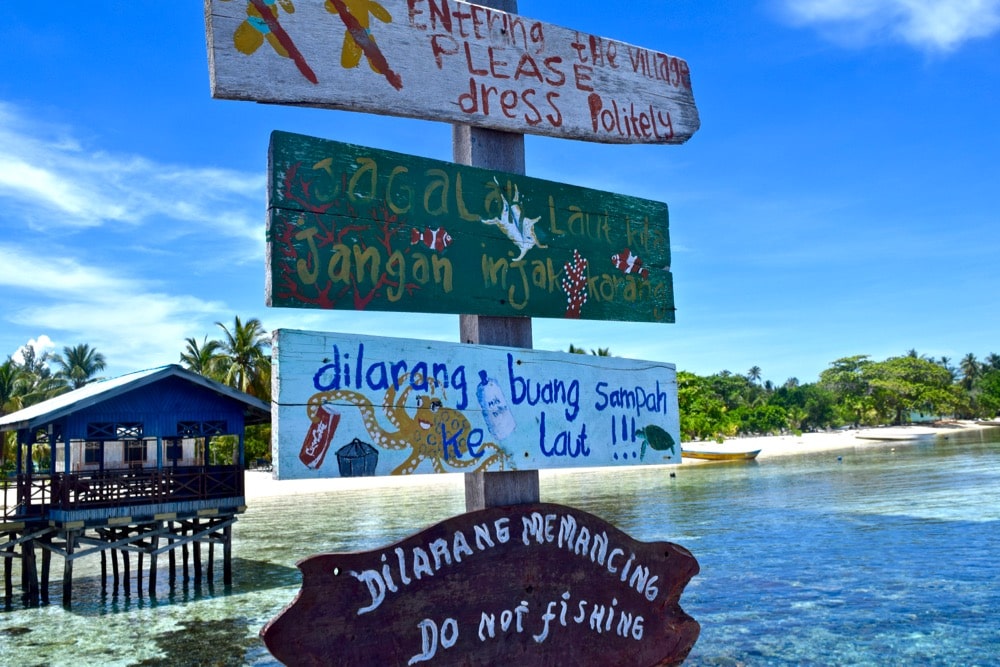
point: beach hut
(124, 466)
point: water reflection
(874, 555)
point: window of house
(135, 451)
(175, 450)
(92, 452)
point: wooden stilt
(227, 556)
(67, 594)
(126, 575)
(211, 563)
(30, 573)
(104, 572)
(114, 569)
(196, 548)
(46, 565)
(8, 573)
(138, 575)
(155, 543)
(184, 557)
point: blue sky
(840, 197)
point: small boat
(719, 452)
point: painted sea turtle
(657, 438)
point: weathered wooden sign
(351, 406)
(529, 584)
(359, 228)
(451, 61)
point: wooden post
(138, 574)
(196, 554)
(172, 558)
(46, 566)
(502, 151)
(126, 574)
(114, 568)
(8, 574)
(104, 572)
(29, 573)
(68, 570)
(155, 543)
(227, 556)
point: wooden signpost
(512, 581)
(451, 61)
(536, 584)
(358, 228)
(359, 406)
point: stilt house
(126, 464)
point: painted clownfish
(435, 239)
(626, 262)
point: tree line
(853, 391)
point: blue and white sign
(350, 406)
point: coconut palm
(754, 374)
(11, 386)
(244, 359)
(78, 365)
(971, 370)
(204, 358)
(992, 360)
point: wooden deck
(91, 495)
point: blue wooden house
(123, 466)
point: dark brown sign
(527, 585)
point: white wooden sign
(357, 406)
(451, 61)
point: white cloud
(55, 183)
(40, 345)
(129, 319)
(933, 25)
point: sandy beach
(262, 484)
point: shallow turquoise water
(871, 556)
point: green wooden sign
(357, 228)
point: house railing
(37, 494)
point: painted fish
(626, 262)
(435, 239)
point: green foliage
(79, 364)
(988, 393)
(257, 442)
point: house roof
(90, 394)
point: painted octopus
(426, 431)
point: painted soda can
(496, 410)
(318, 438)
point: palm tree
(992, 360)
(79, 364)
(970, 370)
(754, 374)
(202, 359)
(11, 386)
(245, 362)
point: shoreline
(262, 485)
(786, 445)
